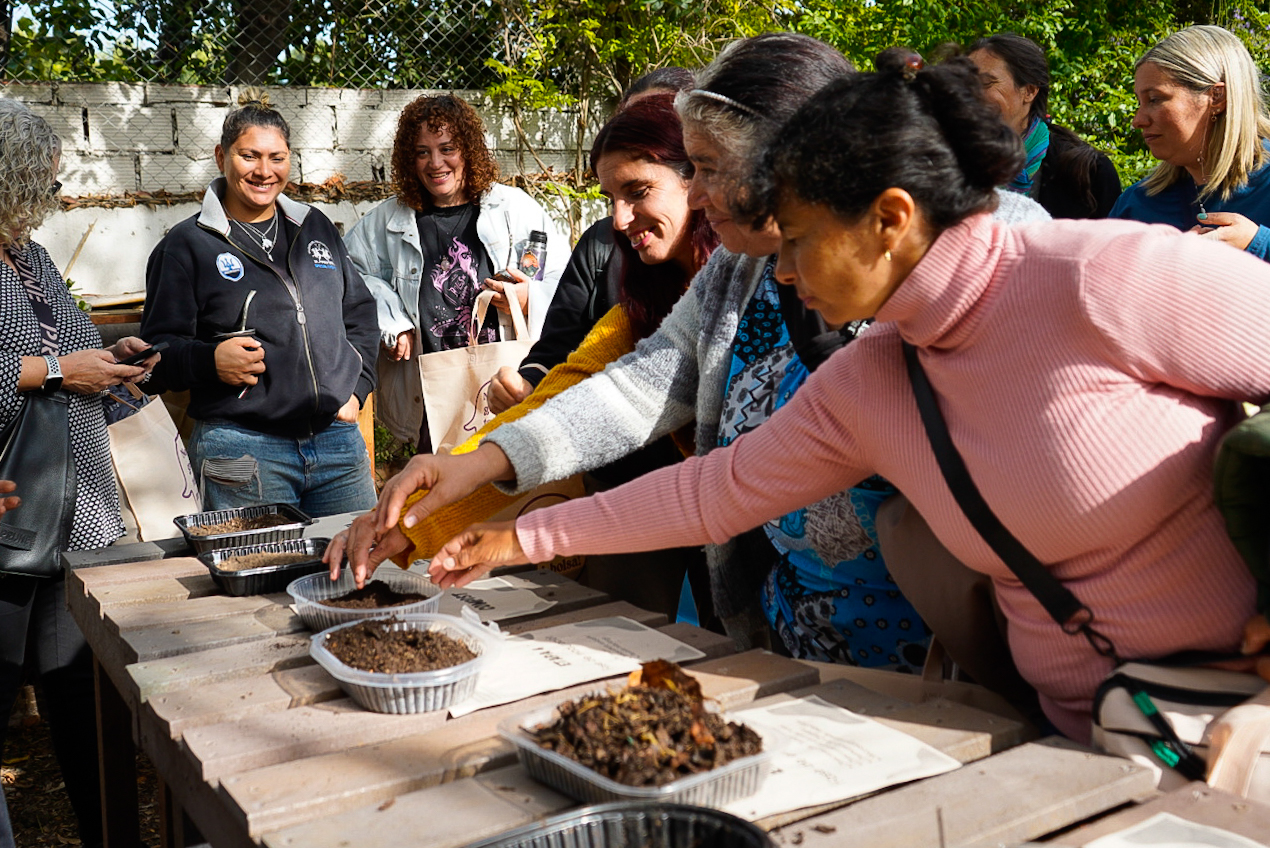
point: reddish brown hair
(441, 112)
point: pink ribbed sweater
(1086, 370)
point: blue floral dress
(829, 597)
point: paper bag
(456, 382)
(549, 494)
(155, 478)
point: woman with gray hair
(49, 347)
(1202, 114)
(733, 350)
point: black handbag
(35, 453)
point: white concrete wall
(117, 242)
(119, 139)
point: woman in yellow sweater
(639, 159)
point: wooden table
(258, 746)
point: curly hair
(441, 112)
(28, 149)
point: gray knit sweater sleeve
(640, 397)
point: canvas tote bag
(152, 467)
(456, 382)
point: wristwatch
(52, 380)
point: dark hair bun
(928, 131)
(985, 147)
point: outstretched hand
(365, 548)
(474, 552)
(447, 477)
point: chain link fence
(137, 89)
(436, 44)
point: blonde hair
(28, 148)
(1198, 58)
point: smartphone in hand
(142, 355)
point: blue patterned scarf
(1036, 141)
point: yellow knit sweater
(608, 340)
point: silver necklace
(264, 237)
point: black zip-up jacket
(320, 336)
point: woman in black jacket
(1063, 173)
(270, 328)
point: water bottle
(533, 256)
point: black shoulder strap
(1064, 607)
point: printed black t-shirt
(455, 266)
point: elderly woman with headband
(1043, 348)
(732, 350)
(1202, 114)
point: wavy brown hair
(441, 112)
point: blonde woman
(1201, 113)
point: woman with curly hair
(454, 227)
(50, 348)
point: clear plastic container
(635, 824)
(269, 578)
(293, 529)
(715, 788)
(309, 592)
(418, 692)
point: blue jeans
(325, 474)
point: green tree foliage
(578, 55)
(1092, 47)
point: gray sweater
(673, 377)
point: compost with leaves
(646, 735)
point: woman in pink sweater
(1086, 372)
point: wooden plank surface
(481, 807)
(1195, 802)
(1006, 799)
(507, 798)
(352, 775)
(177, 711)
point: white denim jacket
(384, 247)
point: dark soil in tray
(374, 594)
(261, 560)
(643, 736)
(374, 646)
(241, 523)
